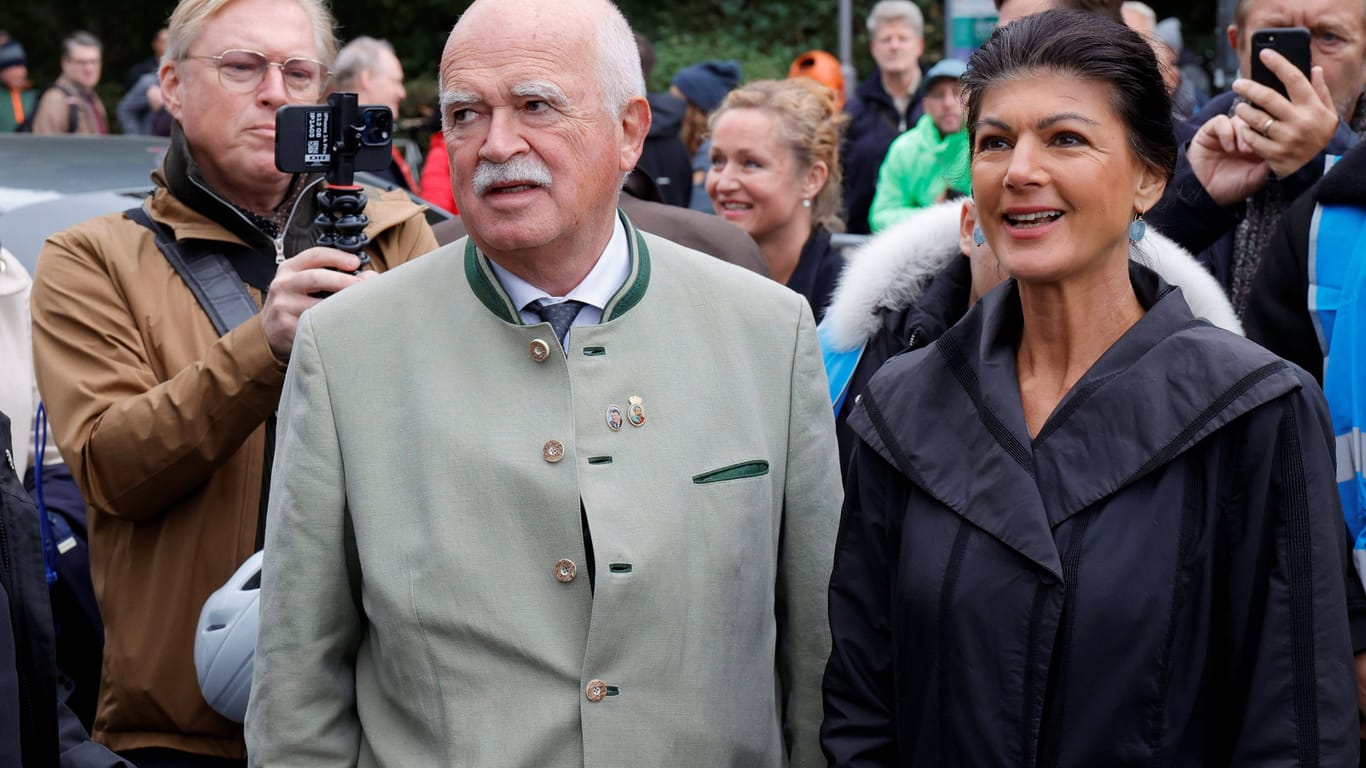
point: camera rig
(341, 220)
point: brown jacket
(53, 113)
(164, 425)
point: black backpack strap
(208, 274)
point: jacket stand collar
(491, 294)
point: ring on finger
(1266, 127)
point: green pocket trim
(597, 460)
(619, 567)
(733, 472)
(594, 351)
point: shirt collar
(596, 289)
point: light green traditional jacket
(426, 595)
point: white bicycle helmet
(225, 641)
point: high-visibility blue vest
(1337, 304)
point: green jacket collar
(490, 292)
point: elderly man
(604, 544)
(884, 105)
(165, 416)
(1254, 151)
(370, 69)
(70, 104)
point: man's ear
(635, 126)
(170, 88)
(1232, 33)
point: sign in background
(969, 23)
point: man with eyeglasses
(170, 424)
(70, 105)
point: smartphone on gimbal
(307, 138)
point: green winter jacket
(919, 167)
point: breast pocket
(744, 469)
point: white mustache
(521, 168)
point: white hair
(896, 10)
(617, 68)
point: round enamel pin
(614, 418)
(635, 411)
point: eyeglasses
(243, 71)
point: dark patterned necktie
(560, 316)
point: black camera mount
(341, 222)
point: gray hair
(896, 10)
(617, 66)
(359, 55)
(81, 38)
(189, 17)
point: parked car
(48, 183)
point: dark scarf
(1261, 216)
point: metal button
(540, 350)
(565, 571)
(596, 690)
(553, 451)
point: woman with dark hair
(1084, 527)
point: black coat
(944, 301)
(818, 269)
(874, 123)
(35, 729)
(1155, 579)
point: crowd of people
(1061, 465)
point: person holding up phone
(168, 425)
(1254, 150)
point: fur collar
(892, 269)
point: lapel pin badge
(614, 418)
(635, 411)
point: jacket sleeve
(811, 503)
(303, 703)
(137, 439)
(76, 748)
(1277, 315)
(1289, 639)
(134, 109)
(860, 727)
(1187, 214)
(894, 199)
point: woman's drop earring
(978, 236)
(1137, 229)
